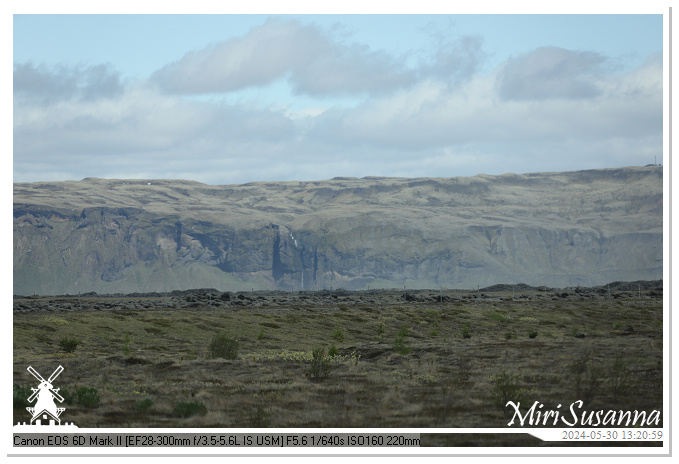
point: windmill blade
(55, 374)
(56, 395)
(35, 393)
(35, 373)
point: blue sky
(226, 99)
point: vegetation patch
(69, 345)
(362, 381)
(507, 387)
(188, 409)
(223, 346)
(154, 330)
(143, 405)
(271, 325)
(21, 393)
(401, 345)
(338, 334)
(85, 396)
(320, 365)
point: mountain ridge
(116, 235)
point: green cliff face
(556, 229)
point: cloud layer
(49, 85)
(309, 59)
(435, 115)
(551, 72)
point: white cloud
(546, 109)
(139, 133)
(50, 85)
(551, 72)
(431, 114)
(264, 54)
(313, 62)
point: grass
(442, 381)
(380, 330)
(126, 347)
(507, 387)
(401, 345)
(223, 346)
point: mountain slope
(556, 229)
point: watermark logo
(45, 408)
(576, 417)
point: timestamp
(612, 435)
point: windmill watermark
(45, 408)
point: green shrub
(320, 365)
(401, 347)
(189, 409)
(619, 378)
(261, 334)
(465, 332)
(506, 387)
(21, 395)
(88, 397)
(400, 343)
(332, 352)
(68, 396)
(126, 346)
(338, 334)
(497, 317)
(533, 333)
(380, 330)
(69, 344)
(403, 331)
(223, 346)
(143, 405)
(435, 331)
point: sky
(236, 98)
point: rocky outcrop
(371, 301)
(556, 229)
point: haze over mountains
(557, 229)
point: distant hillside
(557, 229)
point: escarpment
(556, 229)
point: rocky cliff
(557, 229)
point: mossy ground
(443, 380)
